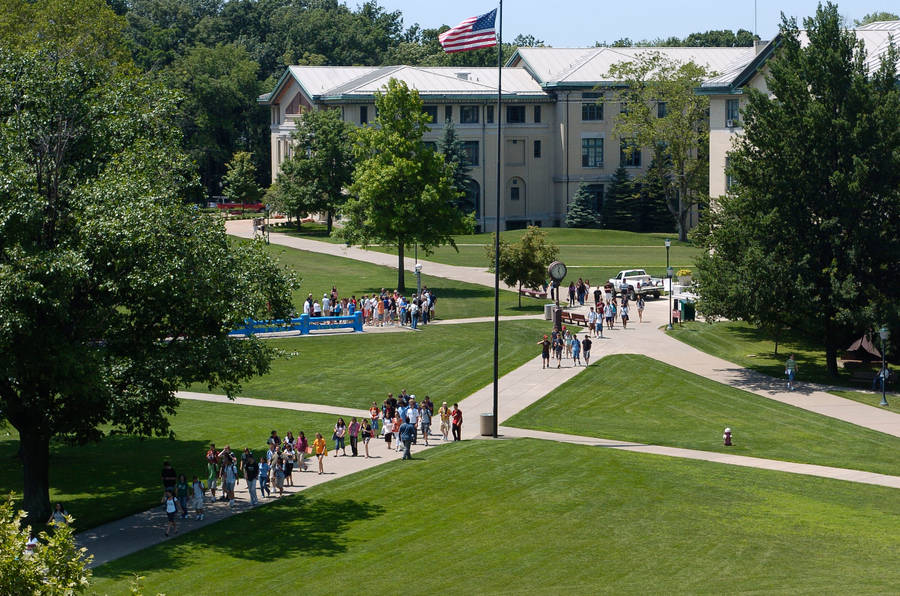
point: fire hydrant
(727, 437)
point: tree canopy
(314, 177)
(681, 126)
(582, 213)
(113, 293)
(809, 235)
(524, 263)
(402, 191)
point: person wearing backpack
(251, 475)
(172, 506)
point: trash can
(688, 311)
(548, 311)
(487, 425)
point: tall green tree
(815, 211)
(873, 17)
(581, 212)
(239, 183)
(655, 190)
(219, 115)
(315, 177)
(113, 293)
(402, 192)
(524, 263)
(682, 126)
(458, 159)
(617, 211)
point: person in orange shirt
(321, 450)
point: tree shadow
(280, 530)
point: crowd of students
(386, 308)
(398, 421)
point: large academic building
(555, 133)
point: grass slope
(754, 348)
(456, 299)
(486, 517)
(120, 475)
(447, 362)
(634, 398)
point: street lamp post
(884, 333)
(669, 276)
(418, 279)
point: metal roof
(559, 67)
(348, 82)
(875, 36)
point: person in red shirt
(456, 422)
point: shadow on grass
(284, 529)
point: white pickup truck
(636, 282)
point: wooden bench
(574, 319)
(533, 293)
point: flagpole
(497, 234)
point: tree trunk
(328, 219)
(36, 475)
(520, 294)
(401, 284)
(299, 221)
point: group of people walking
(563, 341)
(387, 308)
(398, 421)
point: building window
(537, 114)
(514, 193)
(729, 177)
(537, 149)
(363, 114)
(662, 108)
(733, 110)
(629, 154)
(515, 114)
(470, 148)
(468, 114)
(432, 113)
(592, 153)
(448, 113)
(591, 110)
(489, 117)
(596, 192)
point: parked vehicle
(636, 282)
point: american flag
(473, 33)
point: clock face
(557, 270)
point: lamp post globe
(669, 277)
(418, 279)
(885, 334)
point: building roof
(334, 83)
(876, 38)
(582, 67)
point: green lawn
(104, 481)
(447, 362)
(753, 348)
(312, 231)
(489, 517)
(634, 398)
(456, 299)
(872, 398)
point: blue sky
(579, 23)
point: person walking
(198, 489)
(321, 451)
(625, 315)
(425, 422)
(586, 349)
(640, 309)
(457, 419)
(444, 413)
(58, 516)
(340, 429)
(576, 349)
(558, 349)
(212, 469)
(279, 475)
(289, 458)
(545, 352)
(251, 475)
(229, 477)
(182, 492)
(790, 370)
(353, 431)
(172, 506)
(407, 433)
(265, 469)
(367, 433)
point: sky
(580, 23)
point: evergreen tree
(239, 183)
(656, 190)
(456, 157)
(581, 212)
(618, 201)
